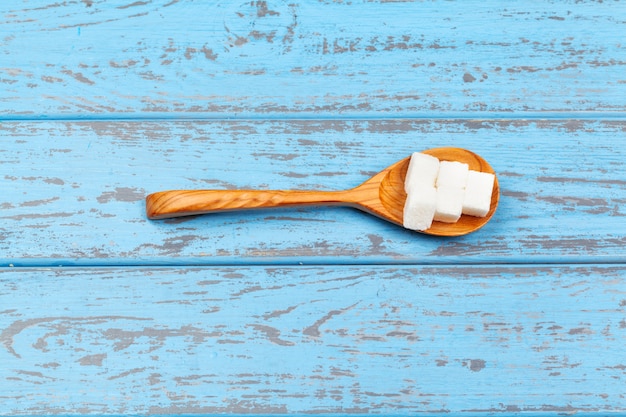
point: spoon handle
(176, 203)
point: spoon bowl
(382, 195)
(393, 197)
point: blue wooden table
(309, 310)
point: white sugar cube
(452, 174)
(449, 204)
(478, 190)
(419, 209)
(422, 171)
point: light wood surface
(309, 310)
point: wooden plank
(338, 339)
(277, 58)
(73, 192)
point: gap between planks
(202, 117)
(5, 267)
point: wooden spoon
(382, 195)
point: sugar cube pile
(442, 191)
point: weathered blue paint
(310, 310)
(338, 339)
(251, 58)
(79, 199)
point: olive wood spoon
(382, 195)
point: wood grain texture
(490, 339)
(73, 192)
(276, 58)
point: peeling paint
(311, 312)
(93, 360)
(314, 329)
(272, 334)
(122, 194)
